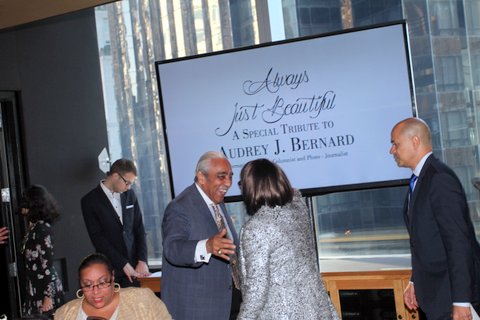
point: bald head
(415, 127)
(411, 141)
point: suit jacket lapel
(205, 212)
(123, 203)
(105, 202)
(230, 223)
(208, 214)
(418, 189)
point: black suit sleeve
(451, 212)
(139, 233)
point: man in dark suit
(115, 225)
(196, 273)
(445, 252)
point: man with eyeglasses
(114, 223)
(198, 269)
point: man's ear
(416, 141)
(200, 178)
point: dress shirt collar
(209, 203)
(207, 200)
(420, 164)
(110, 194)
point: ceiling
(18, 12)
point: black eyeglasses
(128, 183)
(101, 285)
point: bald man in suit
(445, 252)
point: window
(447, 17)
(133, 35)
(449, 73)
(472, 17)
(456, 133)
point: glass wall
(132, 35)
(444, 39)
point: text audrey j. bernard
(293, 144)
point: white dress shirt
(201, 253)
(115, 200)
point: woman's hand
(47, 304)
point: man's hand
(221, 246)
(410, 298)
(460, 313)
(142, 268)
(130, 272)
(3, 235)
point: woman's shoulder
(69, 310)
(263, 219)
(137, 294)
(42, 227)
(141, 303)
(267, 216)
(134, 291)
(42, 224)
(297, 196)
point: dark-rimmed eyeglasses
(101, 285)
(128, 183)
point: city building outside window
(444, 38)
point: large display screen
(321, 107)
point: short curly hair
(95, 258)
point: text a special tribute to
(287, 121)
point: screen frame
(308, 192)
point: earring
(116, 287)
(79, 293)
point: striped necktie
(233, 257)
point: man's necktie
(412, 182)
(413, 178)
(233, 257)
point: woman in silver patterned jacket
(280, 277)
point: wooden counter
(397, 280)
(151, 282)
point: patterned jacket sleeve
(43, 249)
(254, 255)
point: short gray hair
(203, 164)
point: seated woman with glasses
(99, 297)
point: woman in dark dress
(44, 290)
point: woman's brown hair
(263, 182)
